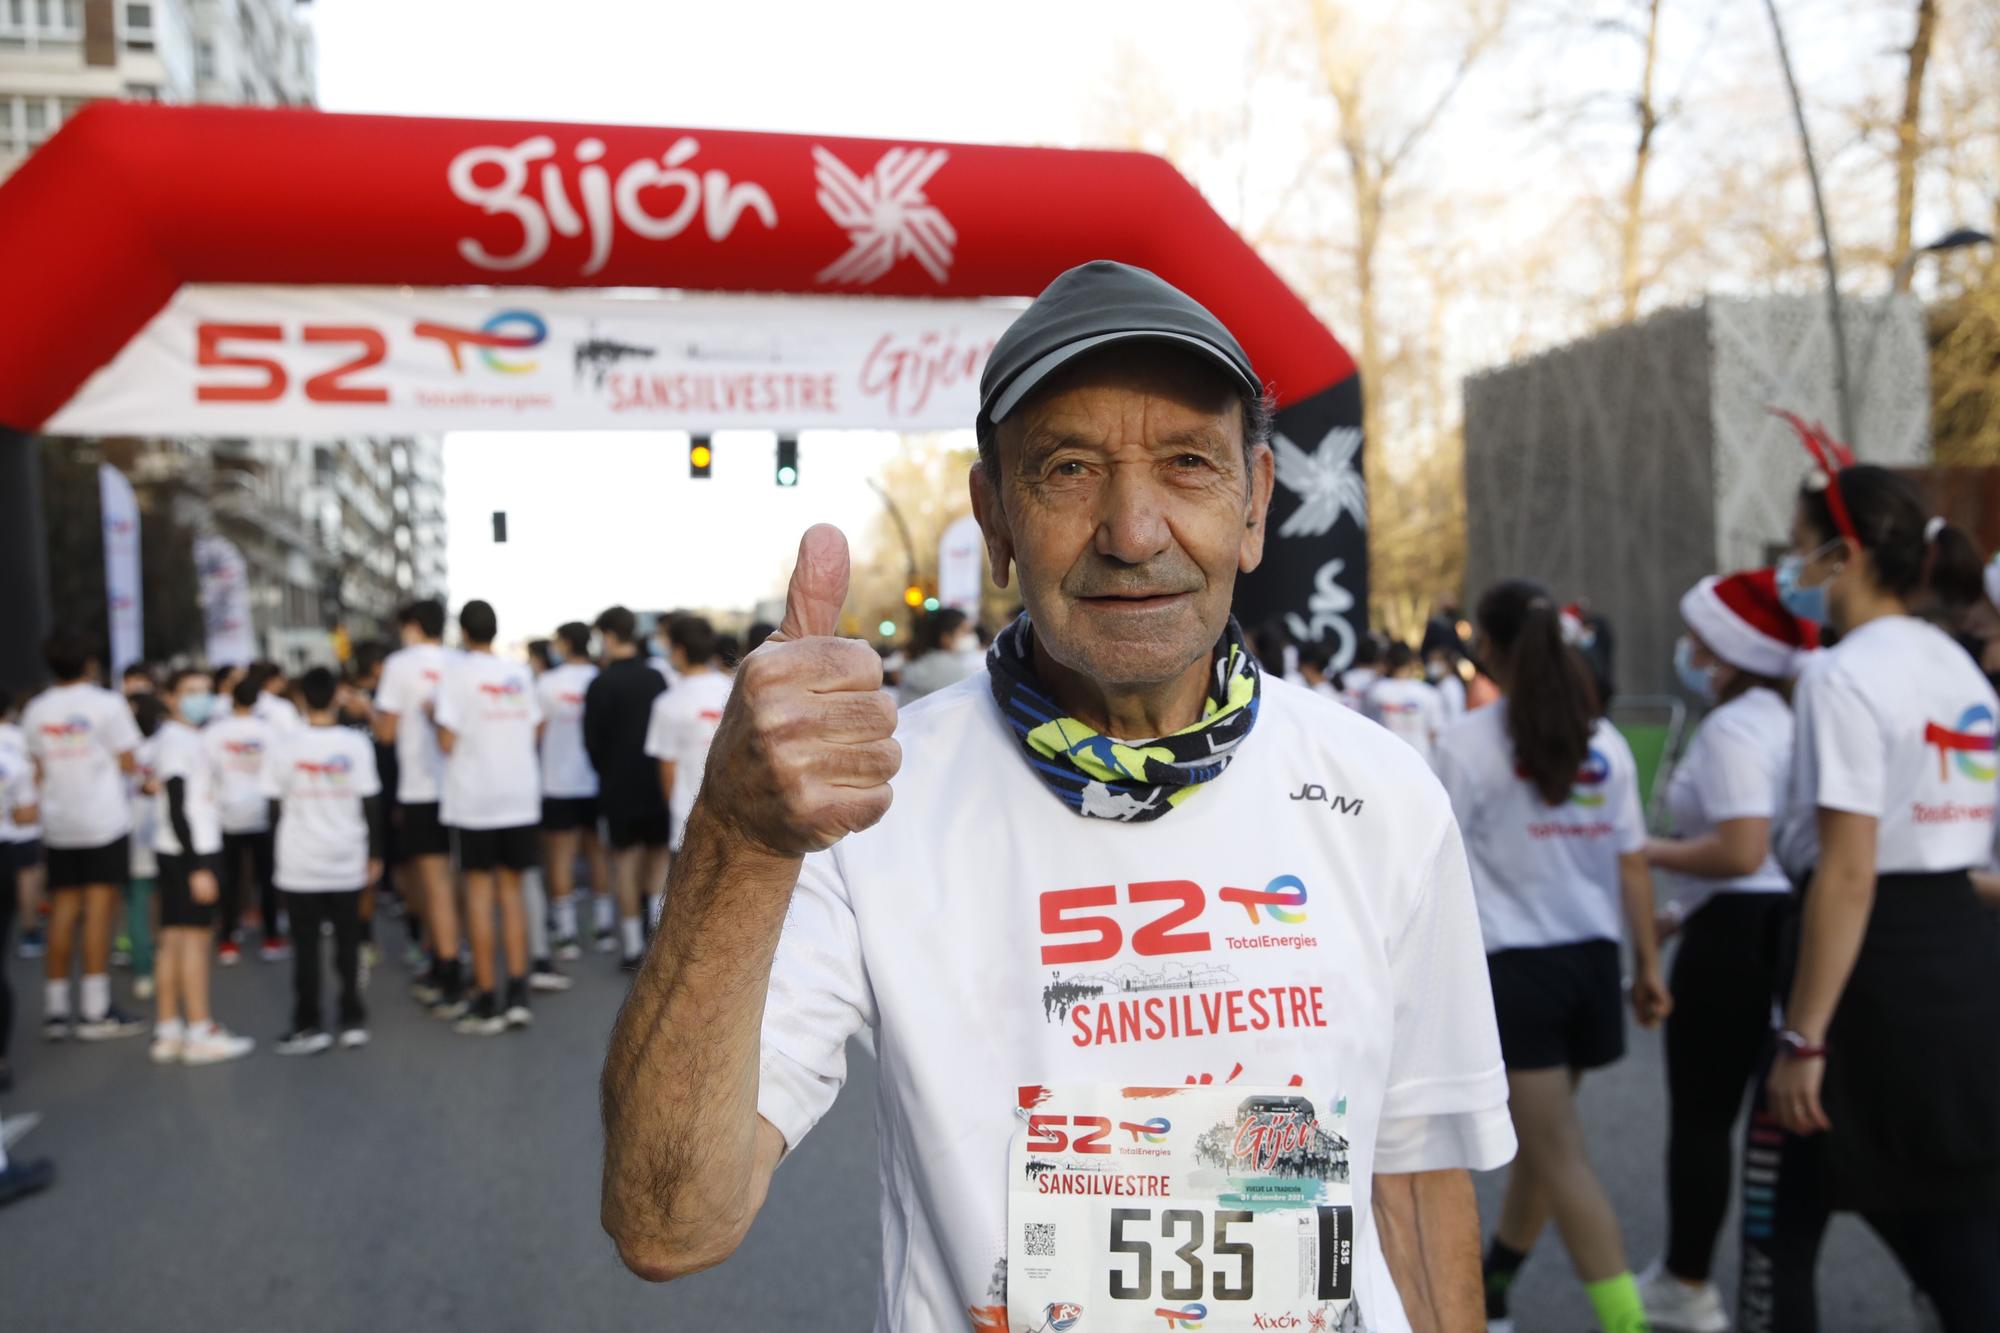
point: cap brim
(1024, 383)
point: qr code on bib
(1041, 1240)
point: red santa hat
(1742, 621)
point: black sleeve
(595, 705)
(177, 814)
(371, 810)
(277, 809)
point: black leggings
(259, 849)
(1724, 977)
(307, 911)
(1952, 1257)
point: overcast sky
(602, 517)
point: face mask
(1805, 603)
(1697, 680)
(198, 708)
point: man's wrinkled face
(1128, 507)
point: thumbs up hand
(805, 749)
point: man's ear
(986, 507)
(1263, 477)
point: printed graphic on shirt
(322, 777)
(1965, 747)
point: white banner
(120, 511)
(224, 584)
(962, 566)
(225, 360)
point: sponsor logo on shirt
(1590, 780)
(1183, 1316)
(333, 771)
(1280, 897)
(1152, 1131)
(74, 726)
(1966, 746)
(501, 689)
(1061, 1316)
(1342, 805)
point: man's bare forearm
(1428, 1223)
(684, 1169)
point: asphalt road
(433, 1181)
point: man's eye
(1191, 461)
(1069, 467)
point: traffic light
(700, 455)
(788, 460)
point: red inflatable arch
(128, 201)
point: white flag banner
(120, 511)
(229, 360)
(224, 588)
(962, 566)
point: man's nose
(1132, 517)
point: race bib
(1179, 1208)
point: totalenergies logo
(1152, 1131)
(508, 331)
(74, 725)
(1185, 1316)
(1968, 745)
(1590, 779)
(1284, 898)
(333, 770)
(503, 689)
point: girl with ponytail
(1884, 1096)
(1547, 798)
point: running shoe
(568, 950)
(451, 1008)
(229, 955)
(168, 1039)
(426, 991)
(19, 1179)
(483, 1020)
(142, 988)
(304, 1041)
(211, 1044)
(606, 941)
(548, 979)
(56, 1028)
(518, 1016)
(274, 951)
(113, 1025)
(352, 1039)
(1672, 1306)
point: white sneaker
(306, 1041)
(213, 1045)
(1672, 1306)
(168, 1039)
(142, 988)
(353, 1038)
(549, 981)
(518, 1016)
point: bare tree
(1909, 139)
(1631, 227)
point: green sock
(1616, 1300)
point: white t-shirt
(410, 678)
(142, 860)
(1355, 682)
(1896, 721)
(1411, 709)
(680, 730)
(1738, 766)
(566, 770)
(237, 744)
(76, 732)
(929, 928)
(177, 752)
(278, 712)
(492, 777)
(319, 777)
(1544, 875)
(18, 787)
(1452, 690)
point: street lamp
(1958, 238)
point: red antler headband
(1829, 457)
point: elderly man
(1173, 968)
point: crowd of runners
(1825, 864)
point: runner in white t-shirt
(329, 847)
(1109, 982)
(1404, 702)
(237, 742)
(1360, 674)
(403, 703)
(274, 697)
(488, 722)
(1728, 901)
(1548, 797)
(82, 739)
(685, 717)
(187, 836)
(569, 785)
(1884, 1086)
(21, 844)
(17, 812)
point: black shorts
(419, 833)
(21, 856)
(562, 814)
(642, 831)
(177, 904)
(75, 867)
(1559, 1007)
(502, 848)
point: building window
(139, 27)
(204, 59)
(35, 120)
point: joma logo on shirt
(1340, 805)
